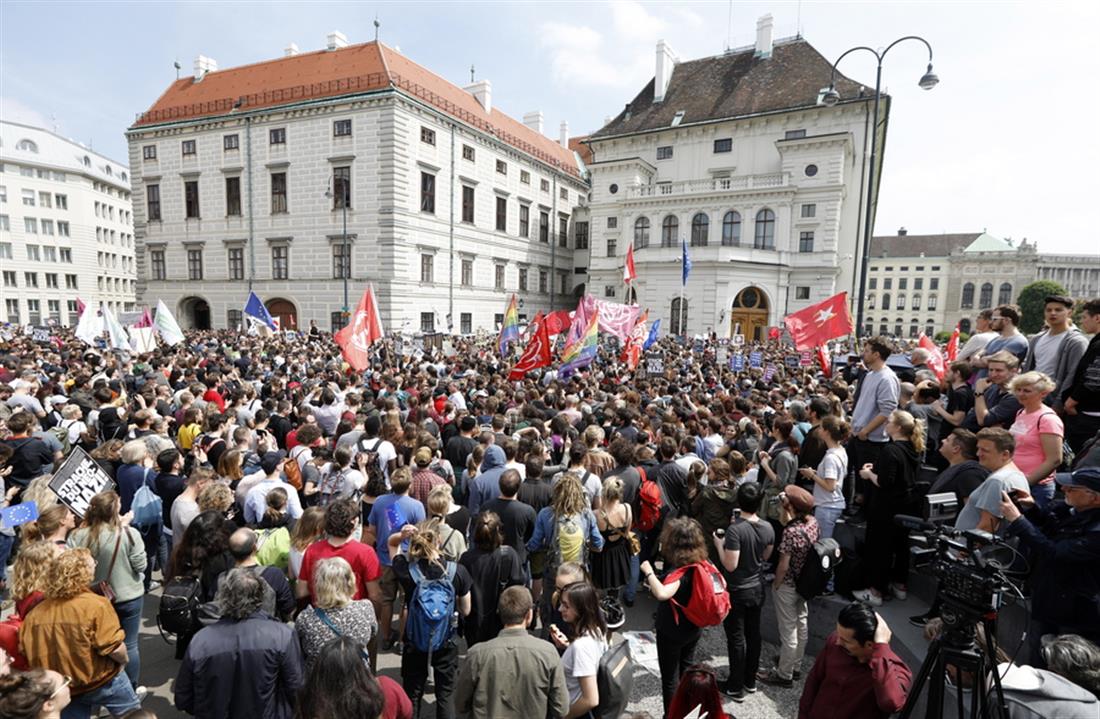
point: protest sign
(78, 480)
(805, 359)
(654, 365)
(769, 372)
(737, 362)
(756, 360)
(738, 340)
(720, 354)
(791, 361)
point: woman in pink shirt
(1038, 432)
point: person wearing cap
(791, 611)
(1056, 350)
(256, 502)
(1063, 542)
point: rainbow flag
(509, 329)
(582, 351)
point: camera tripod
(957, 647)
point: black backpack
(179, 603)
(615, 681)
(820, 565)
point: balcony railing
(710, 185)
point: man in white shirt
(979, 339)
(983, 509)
(371, 442)
(256, 503)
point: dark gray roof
(734, 85)
(915, 245)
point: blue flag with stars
(255, 308)
(653, 332)
(18, 514)
(687, 262)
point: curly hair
(682, 542)
(32, 565)
(69, 574)
(215, 496)
(568, 497)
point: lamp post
(345, 268)
(831, 98)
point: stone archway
(749, 314)
(284, 311)
(194, 313)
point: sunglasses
(65, 681)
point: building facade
(66, 228)
(247, 178)
(735, 156)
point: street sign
(78, 480)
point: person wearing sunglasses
(37, 694)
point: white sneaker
(141, 692)
(866, 595)
(899, 592)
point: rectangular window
(427, 192)
(872, 284)
(888, 283)
(525, 177)
(62, 229)
(609, 290)
(466, 323)
(612, 223)
(30, 279)
(149, 152)
(341, 187)
(341, 264)
(157, 264)
(918, 283)
(544, 227)
(427, 268)
(612, 248)
(467, 204)
(71, 282)
(233, 196)
(336, 321)
(903, 283)
(341, 128)
(45, 199)
(809, 210)
(931, 302)
(12, 307)
(236, 263)
(524, 221)
(805, 242)
(904, 268)
(280, 262)
(502, 167)
(802, 293)
(664, 153)
(794, 134)
(724, 144)
(231, 142)
(187, 147)
(467, 273)
(563, 231)
(26, 171)
(563, 193)
(5, 223)
(70, 305)
(427, 136)
(30, 225)
(53, 308)
(62, 201)
(235, 319)
(3, 194)
(190, 199)
(49, 253)
(34, 312)
(278, 193)
(544, 185)
(5, 251)
(47, 227)
(498, 277)
(9, 279)
(522, 279)
(581, 231)
(544, 278)
(427, 322)
(194, 264)
(502, 214)
(934, 283)
(277, 136)
(467, 153)
(28, 198)
(152, 200)
(51, 281)
(66, 254)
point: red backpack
(649, 504)
(709, 603)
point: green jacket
(128, 576)
(514, 676)
(274, 547)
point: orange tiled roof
(346, 71)
(582, 148)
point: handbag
(103, 586)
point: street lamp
(830, 98)
(345, 267)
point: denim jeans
(826, 519)
(129, 616)
(630, 591)
(1043, 494)
(116, 695)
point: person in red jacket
(856, 675)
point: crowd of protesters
(495, 534)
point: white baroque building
(735, 155)
(245, 178)
(66, 229)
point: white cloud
(579, 57)
(13, 110)
(632, 20)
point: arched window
(964, 326)
(700, 229)
(967, 301)
(901, 302)
(897, 327)
(764, 234)
(985, 301)
(1004, 295)
(870, 302)
(641, 233)
(930, 327)
(932, 301)
(87, 161)
(886, 301)
(27, 145)
(731, 229)
(107, 169)
(670, 228)
(679, 318)
(916, 301)
(882, 329)
(914, 328)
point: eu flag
(18, 514)
(687, 262)
(255, 308)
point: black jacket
(897, 468)
(1085, 387)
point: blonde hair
(69, 574)
(568, 497)
(215, 496)
(134, 452)
(439, 500)
(39, 492)
(333, 583)
(49, 521)
(613, 489)
(910, 428)
(32, 566)
(308, 529)
(425, 544)
(1041, 382)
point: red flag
(146, 319)
(628, 271)
(773, 333)
(953, 345)
(632, 350)
(537, 353)
(817, 324)
(823, 360)
(556, 322)
(80, 306)
(364, 329)
(935, 359)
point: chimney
(482, 90)
(290, 50)
(336, 40)
(666, 60)
(533, 120)
(764, 37)
(563, 136)
(902, 232)
(203, 65)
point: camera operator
(856, 675)
(1064, 547)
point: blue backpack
(431, 608)
(146, 506)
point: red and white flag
(823, 360)
(364, 330)
(537, 353)
(953, 345)
(629, 272)
(632, 350)
(557, 322)
(817, 324)
(935, 359)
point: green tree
(944, 337)
(1031, 303)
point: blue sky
(1003, 144)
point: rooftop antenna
(798, 22)
(729, 24)
(53, 121)
(177, 66)
(377, 27)
(471, 73)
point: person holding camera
(1063, 541)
